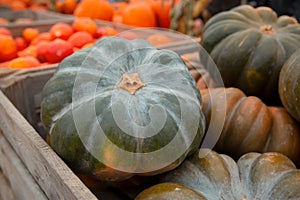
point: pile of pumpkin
(149, 13)
(110, 95)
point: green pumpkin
(169, 191)
(121, 108)
(250, 125)
(289, 85)
(249, 46)
(254, 176)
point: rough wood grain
(5, 189)
(29, 84)
(22, 183)
(49, 171)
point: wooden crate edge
(6, 192)
(53, 175)
(20, 180)
(10, 76)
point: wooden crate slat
(22, 184)
(6, 192)
(9, 77)
(52, 174)
(23, 88)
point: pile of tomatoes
(34, 48)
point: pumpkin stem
(131, 82)
(267, 29)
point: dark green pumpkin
(113, 110)
(249, 46)
(289, 85)
(254, 176)
(250, 125)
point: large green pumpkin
(250, 125)
(249, 46)
(254, 176)
(289, 85)
(122, 108)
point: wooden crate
(30, 168)
(23, 88)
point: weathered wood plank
(5, 189)
(22, 183)
(29, 84)
(9, 77)
(50, 172)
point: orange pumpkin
(118, 11)
(65, 6)
(98, 9)
(139, 14)
(162, 11)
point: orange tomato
(27, 2)
(8, 48)
(30, 33)
(57, 50)
(4, 64)
(41, 50)
(46, 36)
(40, 7)
(5, 2)
(21, 43)
(23, 62)
(18, 5)
(5, 31)
(80, 38)
(106, 31)
(88, 45)
(28, 51)
(85, 24)
(3, 21)
(61, 30)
